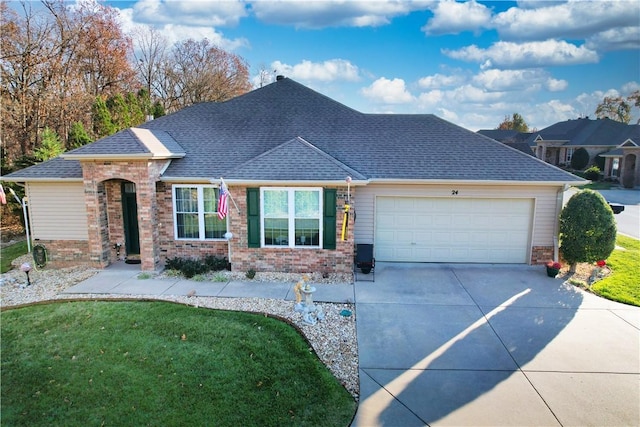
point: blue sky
(469, 62)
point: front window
(615, 167)
(195, 213)
(291, 217)
(569, 155)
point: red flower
(601, 263)
(555, 265)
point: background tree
(78, 136)
(197, 71)
(634, 99)
(587, 229)
(515, 122)
(58, 58)
(102, 123)
(614, 108)
(50, 147)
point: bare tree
(150, 59)
(54, 61)
(198, 72)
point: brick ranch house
(422, 189)
(616, 143)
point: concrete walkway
(123, 279)
(466, 344)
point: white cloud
(525, 55)
(451, 17)
(330, 70)
(472, 94)
(176, 32)
(615, 39)
(518, 80)
(333, 13)
(554, 85)
(431, 99)
(190, 13)
(629, 87)
(571, 19)
(388, 91)
(440, 80)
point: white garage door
(425, 229)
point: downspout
(556, 242)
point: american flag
(222, 201)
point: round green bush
(587, 228)
(593, 173)
(580, 159)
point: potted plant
(553, 268)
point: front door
(130, 217)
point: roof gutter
(245, 182)
(390, 181)
(39, 179)
(120, 157)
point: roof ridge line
(299, 139)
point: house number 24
(454, 192)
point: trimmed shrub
(587, 228)
(593, 173)
(191, 267)
(580, 159)
(600, 162)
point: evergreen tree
(77, 136)
(50, 147)
(136, 110)
(102, 122)
(120, 115)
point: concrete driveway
(492, 345)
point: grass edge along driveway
(160, 363)
(623, 284)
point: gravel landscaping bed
(333, 339)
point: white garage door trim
(464, 230)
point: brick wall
(541, 254)
(241, 256)
(287, 260)
(168, 247)
(104, 208)
(66, 253)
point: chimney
(279, 77)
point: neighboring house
(422, 189)
(617, 143)
(511, 138)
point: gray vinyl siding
(58, 211)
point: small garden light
(26, 267)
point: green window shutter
(253, 217)
(329, 218)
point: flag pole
(229, 194)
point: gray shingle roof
(243, 137)
(131, 142)
(54, 169)
(295, 160)
(587, 132)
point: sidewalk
(123, 279)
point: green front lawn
(9, 253)
(158, 363)
(623, 284)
